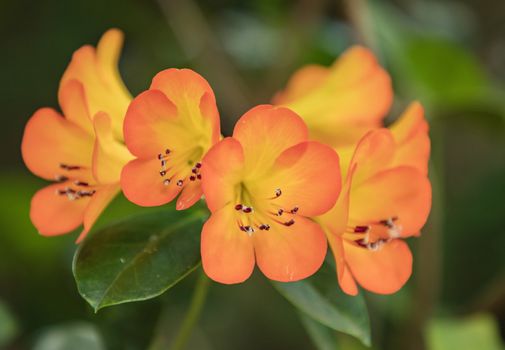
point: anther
(247, 210)
(265, 227)
(160, 156)
(166, 182)
(247, 229)
(238, 207)
(167, 151)
(278, 192)
(163, 163)
(192, 178)
(289, 223)
(163, 172)
(361, 229)
(198, 165)
(179, 183)
(60, 178)
(199, 177)
(294, 210)
(280, 212)
(194, 170)
(69, 167)
(81, 183)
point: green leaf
(320, 298)
(323, 337)
(140, 257)
(8, 325)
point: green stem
(197, 302)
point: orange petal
(142, 184)
(227, 252)
(374, 152)
(222, 169)
(109, 155)
(308, 175)
(73, 103)
(383, 271)
(195, 101)
(98, 72)
(411, 135)
(401, 192)
(301, 82)
(290, 253)
(150, 123)
(100, 200)
(344, 276)
(54, 214)
(190, 194)
(50, 140)
(334, 109)
(264, 132)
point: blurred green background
(448, 54)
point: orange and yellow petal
(97, 70)
(109, 155)
(142, 184)
(308, 175)
(344, 276)
(374, 152)
(411, 136)
(222, 170)
(194, 98)
(334, 109)
(291, 253)
(227, 252)
(190, 194)
(302, 82)
(74, 106)
(403, 193)
(150, 123)
(100, 200)
(54, 214)
(382, 271)
(49, 140)
(265, 132)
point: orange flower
(386, 197)
(79, 149)
(340, 103)
(169, 128)
(261, 186)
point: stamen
(163, 163)
(192, 178)
(160, 156)
(238, 207)
(247, 210)
(294, 210)
(265, 227)
(194, 170)
(179, 183)
(60, 178)
(167, 151)
(289, 223)
(199, 177)
(198, 165)
(361, 229)
(163, 172)
(278, 192)
(69, 167)
(81, 183)
(280, 212)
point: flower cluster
(315, 167)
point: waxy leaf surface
(139, 258)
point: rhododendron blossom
(386, 198)
(80, 149)
(169, 128)
(262, 185)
